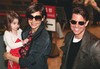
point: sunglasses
(79, 22)
(37, 18)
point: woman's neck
(34, 30)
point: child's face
(15, 25)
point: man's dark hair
(80, 9)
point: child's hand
(25, 41)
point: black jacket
(88, 56)
(39, 50)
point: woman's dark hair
(80, 9)
(34, 7)
(10, 16)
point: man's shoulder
(69, 35)
(91, 36)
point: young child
(12, 37)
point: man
(81, 49)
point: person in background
(93, 4)
(87, 2)
(35, 53)
(90, 5)
(94, 11)
(12, 37)
(58, 28)
(81, 49)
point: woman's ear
(43, 18)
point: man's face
(78, 25)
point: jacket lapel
(66, 47)
(83, 48)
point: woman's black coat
(39, 50)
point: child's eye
(15, 23)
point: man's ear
(86, 22)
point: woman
(35, 53)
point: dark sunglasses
(79, 22)
(37, 18)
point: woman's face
(34, 20)
(78, 25)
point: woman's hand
(7, 55)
